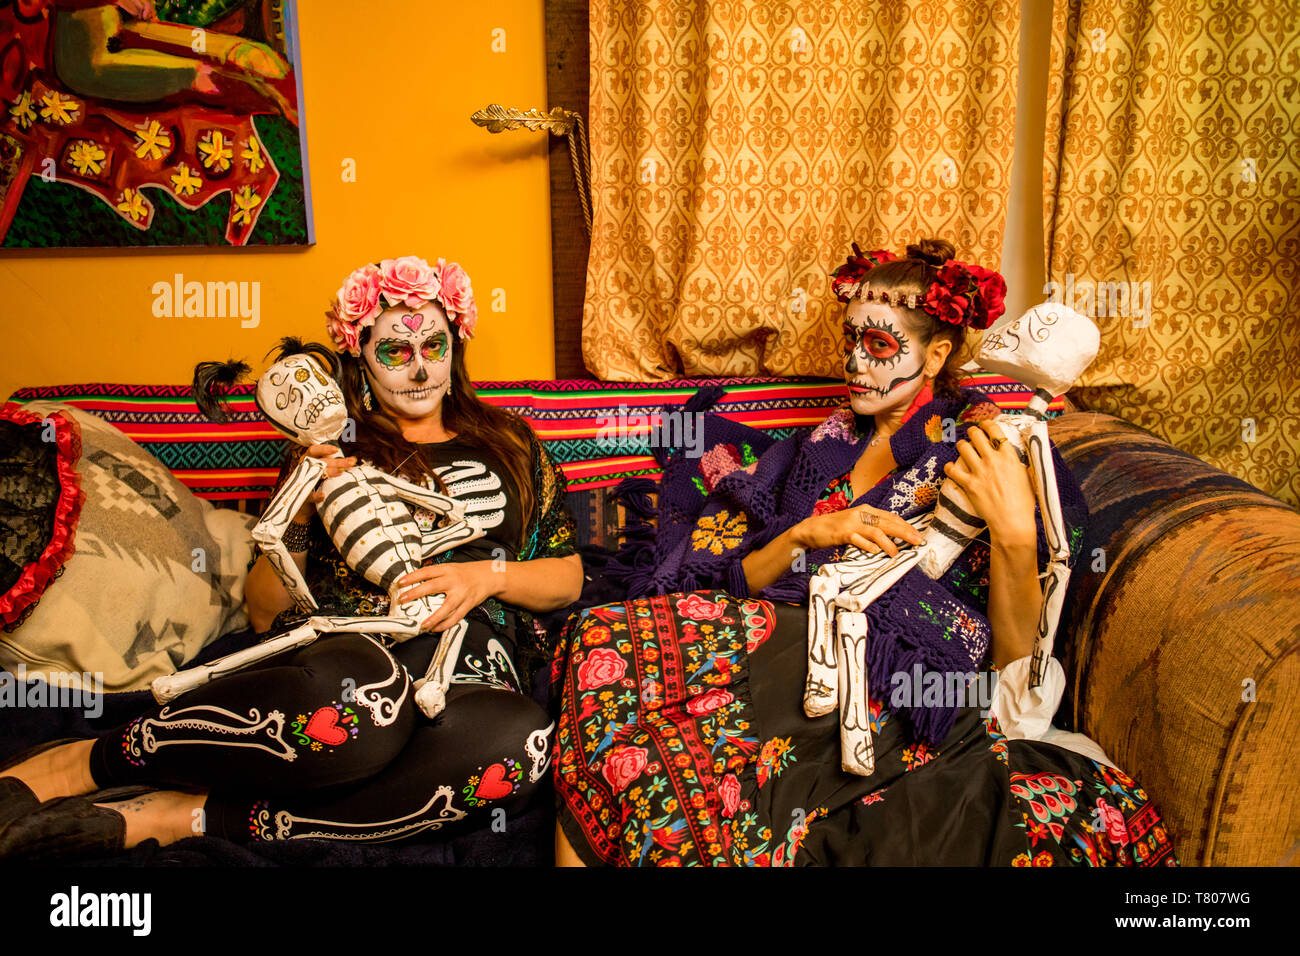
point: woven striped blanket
(573, 417)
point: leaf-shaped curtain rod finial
(498, 119)
(559, 122)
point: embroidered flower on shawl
(979, 411)
(774, 757)
(602, 666)
(838, 424)
(1111, 820)
(729, 790)
(934, 429)
(719, 532)
(918, 755)
(720, 461)
(623, 765)
(917, 488)
(837, 501)
(712, 699)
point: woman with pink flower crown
(278, 751)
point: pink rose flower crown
(407, 282)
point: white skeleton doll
(1047, 348)
(367, 514)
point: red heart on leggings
(494, 784)
(324, 726)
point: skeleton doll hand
(333, 468)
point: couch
(1179, 634)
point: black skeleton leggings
(326, 741)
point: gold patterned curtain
(1173, 216)
(738, 148)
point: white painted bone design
(1047, 348)
(368, 515)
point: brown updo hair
(914, 273)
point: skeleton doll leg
(171, 686)
(1043, 473)
(856, 752)
(431, 689)
(878, 572)
(820, 694)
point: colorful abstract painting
(151, 123)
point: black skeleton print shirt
(478, 479)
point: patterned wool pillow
(154, 575)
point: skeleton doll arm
(459, 529)
(1029, 689)
(269, 531)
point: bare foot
(564, 853)
(60, 772)
(164, 815)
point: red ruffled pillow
(40, 557)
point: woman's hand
(333, 468)
(997, 483)
(467, 584)
(848, 527)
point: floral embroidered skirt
(682, 742)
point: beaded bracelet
(297, 536)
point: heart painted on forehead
(413, 321)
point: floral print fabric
(682, 742)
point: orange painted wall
(391, 85)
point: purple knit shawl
(715, 509)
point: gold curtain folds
(1173, 215)
(739, 147)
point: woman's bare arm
(265, 595)
(766, 564)
(542, 584)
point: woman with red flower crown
(720, 766)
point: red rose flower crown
(409, 282)
(962, 294)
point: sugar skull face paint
(408, 359)
(883, 361)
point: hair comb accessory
(407, 282)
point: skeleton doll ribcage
(370, 525)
